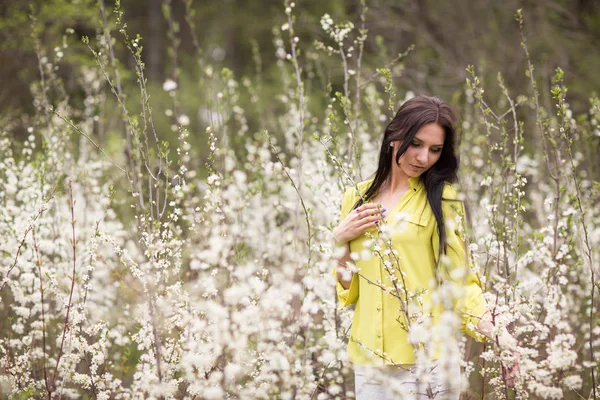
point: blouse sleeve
(471, 305)
(348, 296)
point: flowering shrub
(146, 274)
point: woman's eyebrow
(433, 145)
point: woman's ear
(395, 145)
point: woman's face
(423, 152)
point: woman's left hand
(506, 343)
(511, 370)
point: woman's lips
(417, 168)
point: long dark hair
(411, 116)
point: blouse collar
(415, 183)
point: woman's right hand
(357, 222)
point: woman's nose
(422, 156)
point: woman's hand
(510, 368)
(505, 342)
(510, 371)
(357, 222)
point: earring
(391, 144)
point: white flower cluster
(338, 32)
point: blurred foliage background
(238, 34)
(237, 49)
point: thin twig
(22, 243)
(85, 135)
(399, 57)
(74, 247)
(38, 262)
(297, 189)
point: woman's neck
(397, 181)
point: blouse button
(379, 335)
(378, 308)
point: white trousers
(391, 383)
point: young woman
(406, 225)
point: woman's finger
(510, 382)
(510, 373)
(369, 222)
(369, 208)
(374, 211)
(512, 376)
(363, 216)
(508, 376)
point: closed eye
(436, 150)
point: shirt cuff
(348, 296)
(471, 318)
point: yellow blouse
(379, 334)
